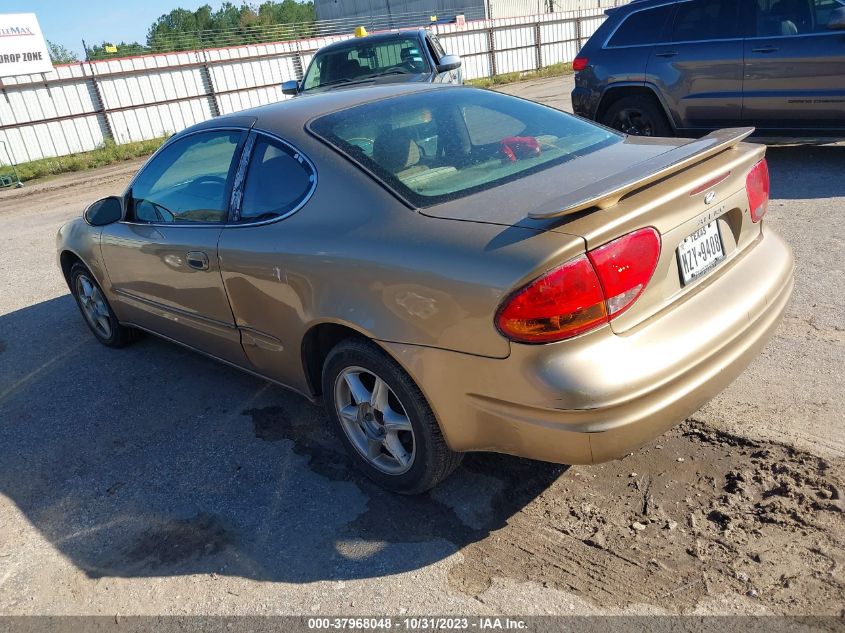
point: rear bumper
(601, 395)
(583, 102)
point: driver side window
(188, 181)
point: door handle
(666, 54)
(765, 49)
(197, 260)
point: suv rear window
(437, 145)
(642, 27)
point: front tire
(384, 420)
(637, 115)
(95, 309)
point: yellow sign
(110, 48)
(360, 31)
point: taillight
(757, 185)
(580, 63)
(562, 303)
(625, 267)
(583, 293)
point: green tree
(123, 49)
(61, 55)
(231, 25)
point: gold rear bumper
(599, 396)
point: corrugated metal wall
(78, 107)
(400, 10)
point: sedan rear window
(438, 145)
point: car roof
(375, 38)
(291, 115)
(636, 5)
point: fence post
(578, 36)
(538, 44)
(491, 46)
(101, 104)
(207, 79)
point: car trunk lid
(676, 186)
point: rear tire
(95, 309)
(637, 115)
(383, 419)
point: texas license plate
(700, 252)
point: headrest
(395, 150)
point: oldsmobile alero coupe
(448, 269)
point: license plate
(700, 252)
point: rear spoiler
(607, 192)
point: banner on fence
(23, 50)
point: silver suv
(663, 67)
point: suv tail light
(579, 63)
(583, 293)
(757, 185)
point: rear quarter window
(647, 26)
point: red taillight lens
(757, 185)
(562, 303)
(580, 63)
(625, 266)
(582, 294)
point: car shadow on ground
(153, 461)
(806, 171)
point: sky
(68, 22)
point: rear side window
(794, 17)
(278, 180)
(438, 145)
(698, 20)
(642, 27)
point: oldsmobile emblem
(711, 195)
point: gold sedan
(449, 269)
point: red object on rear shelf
(580, 63)
(757, 185)
(583, 293)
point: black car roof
(372, 39)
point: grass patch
(555, 70)
(107, 154)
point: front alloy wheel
(93, 306)
(96, 310)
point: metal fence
(78, 107)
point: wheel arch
(67, 259)
(615, 92)
(318, 341)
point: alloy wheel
(374, 420)
(94, 306)
(633, 121)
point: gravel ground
(153, 481)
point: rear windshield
(362, 60)
(439, 145)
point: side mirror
(449, 62)
(105, 211)
(837, 19)
(290, 87)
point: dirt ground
(151, 480)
